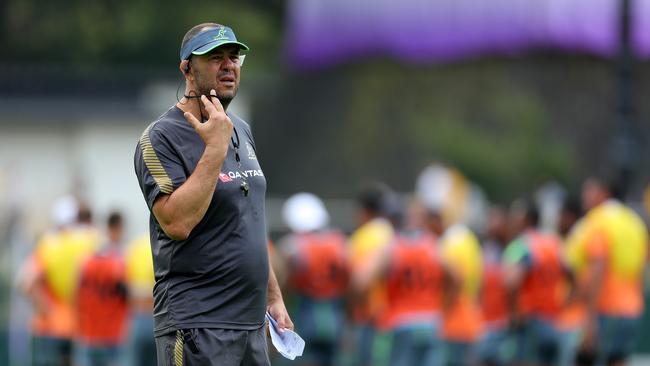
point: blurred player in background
(373, 234)
(462, 319)
(493, 347)
(534, 278)
(614, 247)
(318, 275)
(572, 318)
(413, 273)
(50, 277)
(101, 302)
(140, 279)
(570, 214)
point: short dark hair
(196, 30)
(372, 198)
(571, 205)
(395, 209)
(532, 213)
(115, 220)
(609, 182)
(84, 215)
(528, 208)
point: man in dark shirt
(198, 170)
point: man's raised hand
(216, 131)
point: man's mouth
(227, 80)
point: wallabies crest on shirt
(251, 151)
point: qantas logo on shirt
(224, 178)
(231, 175)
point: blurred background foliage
(507, 123)
(138, 33)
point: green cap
(210, 39)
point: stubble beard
(204, 87)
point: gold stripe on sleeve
(153, 164)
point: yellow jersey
(461, 252)
(368, 240)
(615, 233)
(58, 256)
(61, 254)
(139, 267)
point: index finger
(209, 107)
(215, 100)
(192, 120)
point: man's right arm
(179, 212)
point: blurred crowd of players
(408, 286)
(411, 287)
(91, 292)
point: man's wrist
(214, 151)
(274, 298)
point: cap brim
(212, 45)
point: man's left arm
(275, 302)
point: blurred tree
(382, 120)
(145, 33)
(496, 132)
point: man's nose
(228, 64)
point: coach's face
(219, 70)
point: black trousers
(211, 347)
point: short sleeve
(597, 244)
(249, 135)
(158, 166)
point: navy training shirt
(218, 276)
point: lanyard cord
(197, 97)
(235, 145)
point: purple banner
(326, 32)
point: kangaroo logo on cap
(221, 35)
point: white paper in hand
(289, 343)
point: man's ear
(185, 66)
